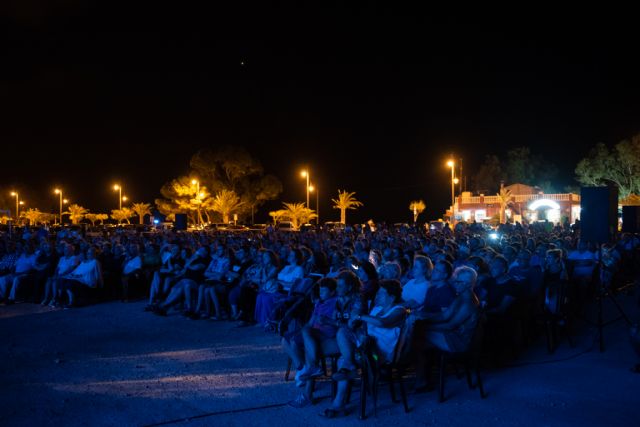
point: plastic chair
(470, 359)
(372, 371)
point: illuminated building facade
(528, 204)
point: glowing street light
(452, 164)
(59, 193)
(22, 202)
(305, 174)
(17, 196)
(118, 188)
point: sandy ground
(113, 364)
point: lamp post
(305, 174)
(451, 164)
(118, 188)
(18, 210)
(64, 202)
(312, 189)
(59, 193)
(17, 196)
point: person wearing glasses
(452, 329)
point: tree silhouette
(345, 201)
(487, 180)
(232, 168)
(141, 209)
(277, 215)
(417, 207)
(297, 213)
(180, 197)
(76, 213)
(122, 214)
(620, 166)
(34, 216)
(96, 217)
(505, 199)
(225, 203)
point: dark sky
(373, 100)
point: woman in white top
(414, 291)
(66, 264)
(383, 325)
(87, 274)
(386, 317)
(292, 271)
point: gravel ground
(113, 364)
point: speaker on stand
(599, 225)
(180, 223)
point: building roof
(520, 189)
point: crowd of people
(329, 292)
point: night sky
(372, 100)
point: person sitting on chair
(414, 291)
(383, 325)
(452, 329)
(317, 336)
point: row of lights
(63, 201)
(305, 174)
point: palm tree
(298, 214)
(34, 216)
(504, 197)
(417, 207)
(277, 215)
(122, 214)
(91, 217)
(102, 217)
(76, 213)
(141, 209)
(96, 217)
(225, 202)
(345, 201)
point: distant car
(308, 227)
(217, 226)
(257, 227)
(285, 226)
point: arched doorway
(542, 209)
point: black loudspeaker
(599, 214)
(180, 224)
(631, 219)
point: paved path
(113, 364)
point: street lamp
(118, 188)
(17, 196)
(312, 189)
(305, 174)
(451, 164)
(19, 204)
(59, 193)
